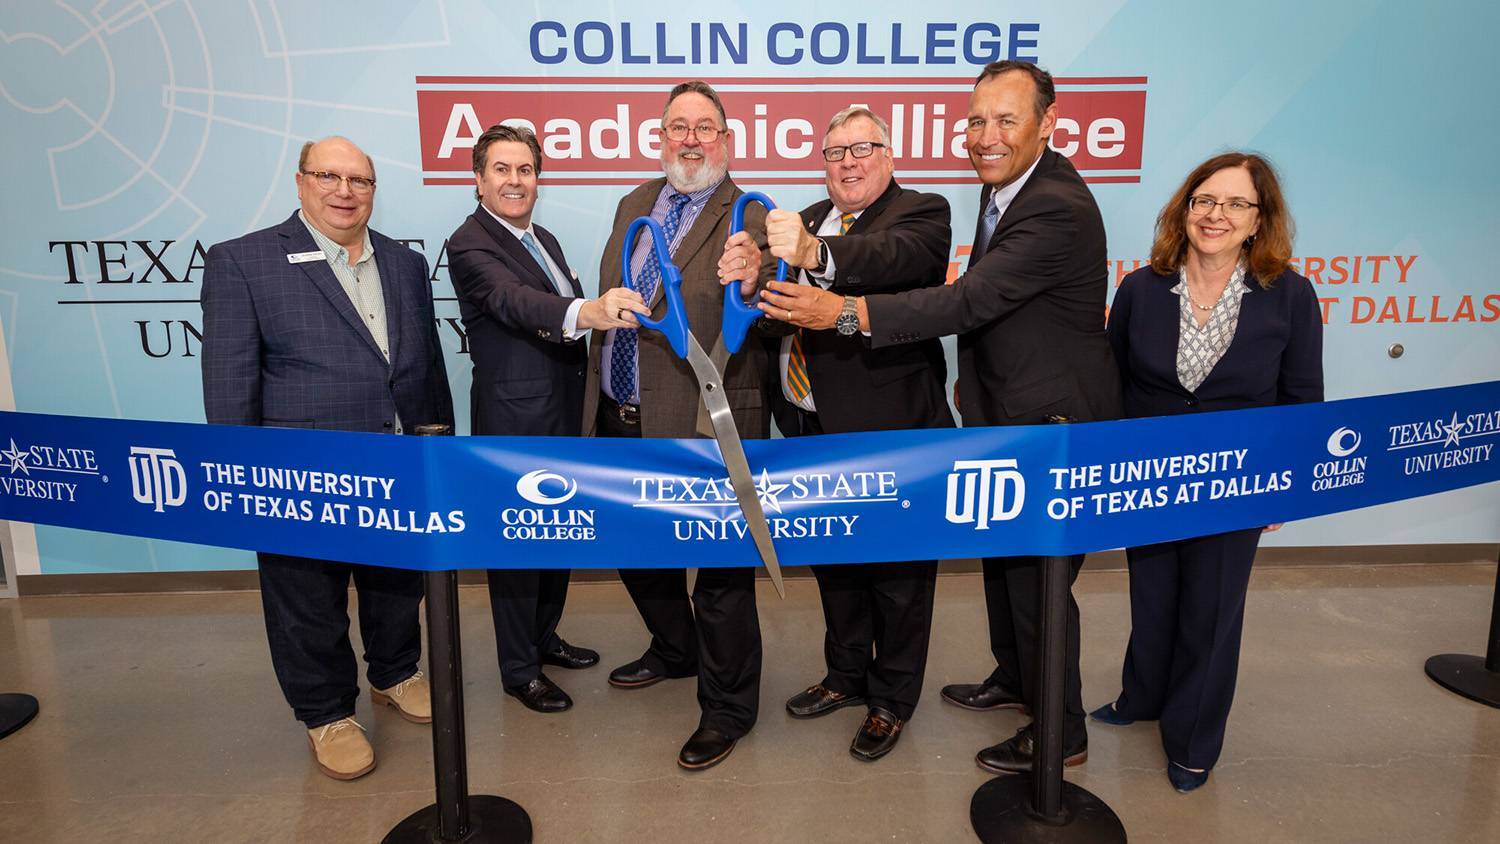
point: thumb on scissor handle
(673, 324)
(737, 313)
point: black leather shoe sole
(636, 681)
(823, 709)
(1078, 758)
(1005, 704)
(706, 763)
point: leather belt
(628, 414)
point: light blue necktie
(623, 361)
(530, 243)
(986, 231)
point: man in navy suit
(320, 322)
(526, 319)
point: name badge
(304, 257)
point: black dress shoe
(705, 748)
(877, 735)
(818, 700)
(634, 675)
(982, 697)
(570, 656)
(1184, 780)
(1013, 756)
(541, 695)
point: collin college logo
(156, 478)
(992, 490)
(545, 522)
(1345, 469)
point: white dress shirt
(570, 319)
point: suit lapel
(867, 218)
(637, 203)
(296, 239)
(984, 202)
(389, 265)
(516, 251)
(554, 251)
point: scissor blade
(711, 388)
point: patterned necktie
(530, 243)
(797, 380)
(623, 360)
(986, 231)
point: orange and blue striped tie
(797, 381)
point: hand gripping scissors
(736, 324)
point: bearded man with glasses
(638, 387)
(321, 322)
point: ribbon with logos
(536, 502)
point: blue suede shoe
(1106, 714)
(1184, 780)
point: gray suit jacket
(670, 406)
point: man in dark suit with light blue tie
(526, 320)
(320, 322)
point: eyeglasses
(706, 133)
(330, 181)
(863, 149)
(1232, 207)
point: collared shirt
(1200, 347)
(361, 283)
(1001, 198)
(689, 215)
(828, 228)
(570, 319)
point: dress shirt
(829, 228)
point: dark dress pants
(879, 622)
(715, 635)
(1187, 610)
(526, 605)
(306, 605)
(1012, 595)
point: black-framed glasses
(863, 149)
(706, 133)
(1232, 207)
(330, 181)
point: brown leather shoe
(411, 697)
(877, 735)
(818, 699)
(341, 749)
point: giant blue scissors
(738, 315)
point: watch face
(847, 324)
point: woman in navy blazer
(1218, 321)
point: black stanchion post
(1042, 806)
(16, 711)
(456, 816)
(1476, 678)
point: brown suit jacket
(670, 406)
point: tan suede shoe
(412, 698)
(342, 750)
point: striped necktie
(797, 381)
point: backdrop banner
(537, 502)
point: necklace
(1204, 308)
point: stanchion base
(16, 711)
(1001, 811)
(492, 820)
(1466, 675)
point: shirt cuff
(825, 278)
(570, 320)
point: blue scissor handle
(674, 324)
(737, 313)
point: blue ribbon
(538, 502)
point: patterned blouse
(1200, 347)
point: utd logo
(156, 478)
(991, 491)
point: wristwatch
(822, 265)
(847, 322)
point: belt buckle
(626, 411)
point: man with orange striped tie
(870, 236)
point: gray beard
(678, 178)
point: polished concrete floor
(161, 721)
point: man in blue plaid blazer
(319, 322)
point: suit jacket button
(853, 279)
(387, 425)
(1192, 402)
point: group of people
(321, 322)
